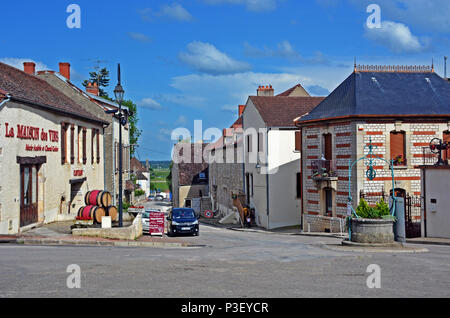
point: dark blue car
(183, 221)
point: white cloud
(252, 5)
(175, 12)
(150, 103)
(139, 37)
(18, 63)
(206, 58)
(395, 36)
(431, 15)
(284, 49)
(182, 120)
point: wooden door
(28, 194)
(446, 153)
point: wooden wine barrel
(92, 212)
(113, 213)
(99, 198)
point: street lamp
(118, 93)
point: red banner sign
(156, 224)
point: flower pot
(372, 231)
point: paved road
(231, 264)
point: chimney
(29, 67)
(92, 88)
(241, 109)
(64, 70)
(266, 91)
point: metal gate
(413, 210)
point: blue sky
(198, 59)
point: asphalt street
(224, 264)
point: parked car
(183, 221)
(159, 198)
(146, 222)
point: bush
(139, 192)
(365, 211)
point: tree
(101, 78)
(135, 133)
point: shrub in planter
(374, 225)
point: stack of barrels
(98, 204)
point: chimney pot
(64, 70)
(29, 68)
(266, 91)
(93, 89)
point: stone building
(190, 173)
(399, 109)
(226, 168)
(271, 155)
(90, 101)
(51, 152)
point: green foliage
(139, 192)
(169, 177)
(126, 206)
(135, 133)
(101, 78)
(381, 210)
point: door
(446, 139)
(28, 194)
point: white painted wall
(53, 176)
(436, 186)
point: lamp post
(118, 93)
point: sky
(190, 60)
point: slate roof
(280, 111)
(30, 89)
(389, 94)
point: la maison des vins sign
(35, 134)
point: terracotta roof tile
(280, 111)
(31, 89)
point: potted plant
(374, 225)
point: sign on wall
(35, 134)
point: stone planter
(373, 231)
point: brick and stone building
(399, 109)
(51, 152)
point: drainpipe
(7, 99)
(301, 182)
(114, 160)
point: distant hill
(165, 165)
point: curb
(351, 249)
(289, 234)
(53, 242)
(428, 243)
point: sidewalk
(59, 233)
(429, 240)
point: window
(98, 145)
(298, 141)
(253, 186)
(64, 127)
(72, 144)
(93, 132)
(299, 185)
(398, 148)
(84, 145)
(328, 147)
(260, 142)
(249, 143)
(446, 153)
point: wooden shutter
(328, 147)
(93, 132)
(63, 143)
(72, 144)
(298, 141)
(446, 153)
(397, 145)
(260, 142)
(249, 143)
(84, 146)
(98, 146)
